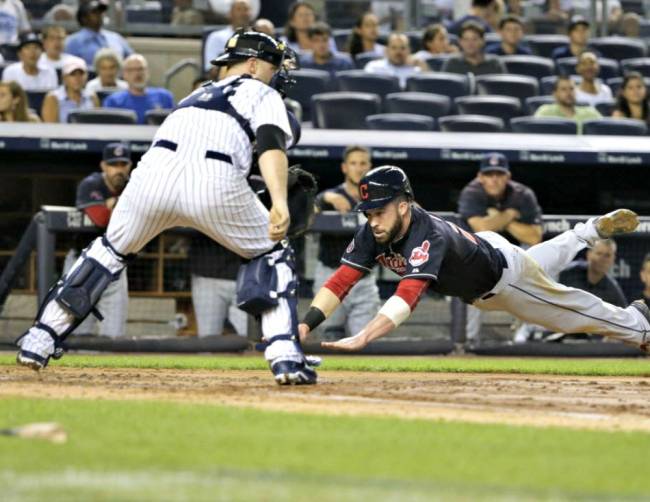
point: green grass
(121, 450)
(587, 367)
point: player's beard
(119, 182)
(391, 234)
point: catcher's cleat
(37, 346)
(292, 373)
(645, 311)
(620, 221)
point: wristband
(313, 317)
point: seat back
(344, 110)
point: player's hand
(339, 202)
(349, 344)
(278, 221)
(303, 332)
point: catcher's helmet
(252, 44)
(381, 185)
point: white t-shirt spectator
(384, 67)
(44, 80)
(45, 62)
(95, 85)
(604, 95)
(13, 20)
(215, 43)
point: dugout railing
(439, 329)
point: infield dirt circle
(605, 403)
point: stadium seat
(606, 108)
(9, 52)
(307, 83)
(543, 125)
(492, 37)
(103, 116)
(615, 127)
(518, 86)
(144, 13)
(400, 122)
(470, 123)
(504, 107)
(642, 65)
(362, 81)
(102, 95)
(415, 40)
(544, 45)
(619, 47)
(363, 58)
(420, 103)
(344, 110)
(341, 37)
(609, 68)
(435, 62)
(532, 66)
(35, 100)
(547, 84)
(615, 84)
(447, 84)
(156, 117)
(534, 102)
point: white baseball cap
(73, 63)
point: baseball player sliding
(483, 269)
(194, 175)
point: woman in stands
(632, 102)
(13, 104)
(364, 36)
(71, 96)
(435, 42)
(301, 17)
(108, 65)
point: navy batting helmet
(252, 44)
(381, 185)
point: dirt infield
(605, 403)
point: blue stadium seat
(435, 62)
(606, 108)
(363, 58)
(156, 117)
(35, 100)
(102, 95)
(504, 107)
(341, 37)
(400, 122)
(447, 84)
(543, 125)
(492, 37)
(415, 40)
(615, 127)
(544, 45)
(9, 52)
(308, 83)
(615, 84)
(518, 86)
(344, 110)
(143, 14)
(642, 65)
(362, 81)
(103, 116)
(421, 103)
(534, 102)
(619, 47)
(609, 68)
(470, 123)
(532, 66)
(546, 85)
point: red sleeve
(410, 290)
(341, 281)
(99, 214)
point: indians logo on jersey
(420, 254)
(394, 261)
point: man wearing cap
(92, 37)
(493, 202)
(70, 96)
(579, 32)
(97, 195)
(27, 72)
(13, 21)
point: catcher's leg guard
(69, 302)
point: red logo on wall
(363, 191)
(420, 254)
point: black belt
(209, 154)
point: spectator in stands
(214, 288)
(511, 29)
(240, 16)
(398, 61)
(435, 42)
(579, 32)
(632, 101)
(184, 14)
(362, 303)
(264, 26)
(92, 37)
(107, 64)
(97, 195)
(473, 58)
(494, 202)
(296, 32)
(13, 104)
(321, 57)
(70, 96)
(645, 279)
(138, 97)
(53, 42)
(364, 36)
(565, 104)
(591, 90)
(480, 13)
(26, 72)
(14, 21)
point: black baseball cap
(494, 162)
(86, 6)
(116, 152)
(29, 38)
(578, 20)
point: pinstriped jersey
(224, 116)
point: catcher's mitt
(301, 195)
